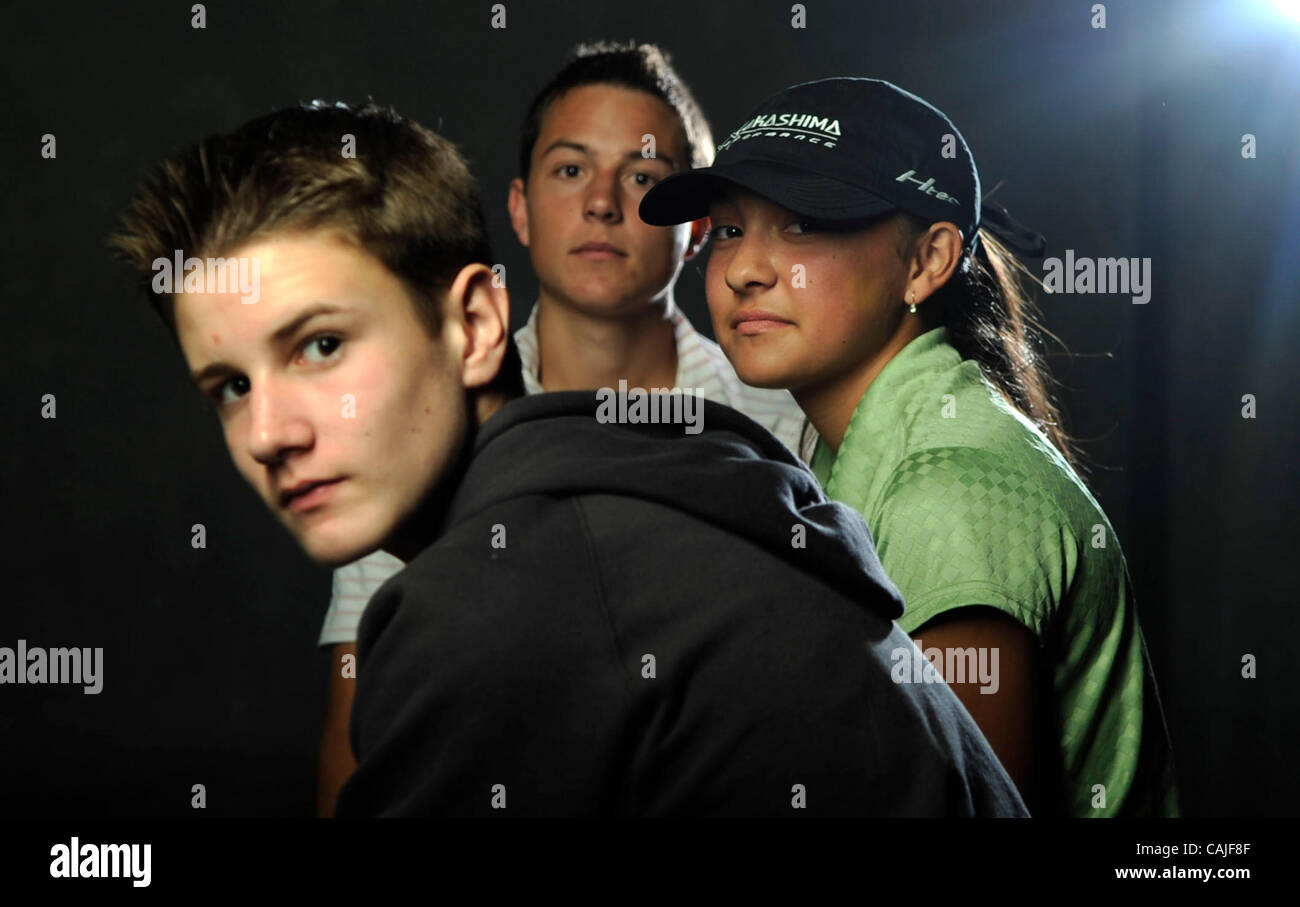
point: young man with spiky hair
(606, 311)
(590, 622)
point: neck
(829, 406)
(578, 351)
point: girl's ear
(935, 259)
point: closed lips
(302, 488)
(757, 315)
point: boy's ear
(482, 313)
(699, 234)
(517, 202)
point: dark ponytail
(989, 314)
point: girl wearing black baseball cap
(854, 264)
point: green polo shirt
(970, 504)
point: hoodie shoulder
(487, 662)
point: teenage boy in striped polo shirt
(606, 311)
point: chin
(758, 373)
(604, 305)
(611, 294)
(330, 550)
(334, 555)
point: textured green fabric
(969, 504)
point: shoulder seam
(599, 589)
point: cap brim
(686, 196)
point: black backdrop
(1122, 141)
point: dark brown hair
(405, 195)
(990, 316)
(643, 67)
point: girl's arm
(1006, 709)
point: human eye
(229, 391)
(568, 171)
(721, 232)
(321, 348)
(644, 180)
(803, 227)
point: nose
(602, 201)
(277, 427)
(749, 268)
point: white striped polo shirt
(700, 364)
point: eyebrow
(583, 149)
(278, 337)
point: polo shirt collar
(924, 356)
(684, 335)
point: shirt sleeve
(353, 586)
(960, 526)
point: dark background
(1117, 142)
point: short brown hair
(641, 67)
(404, 194)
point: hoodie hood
(733, 474)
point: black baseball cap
(836, 150)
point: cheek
(367, 405)
(236, 442)
(235, 431)
(827, 272)
(422, 404)
(835, 287)
(837, 319)
(716, 292)
(547, 217)
(541, 229)
(858, 327)
(424, 441)
(715, 273)
(660, 247)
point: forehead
(292, 271)
(614, 114)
